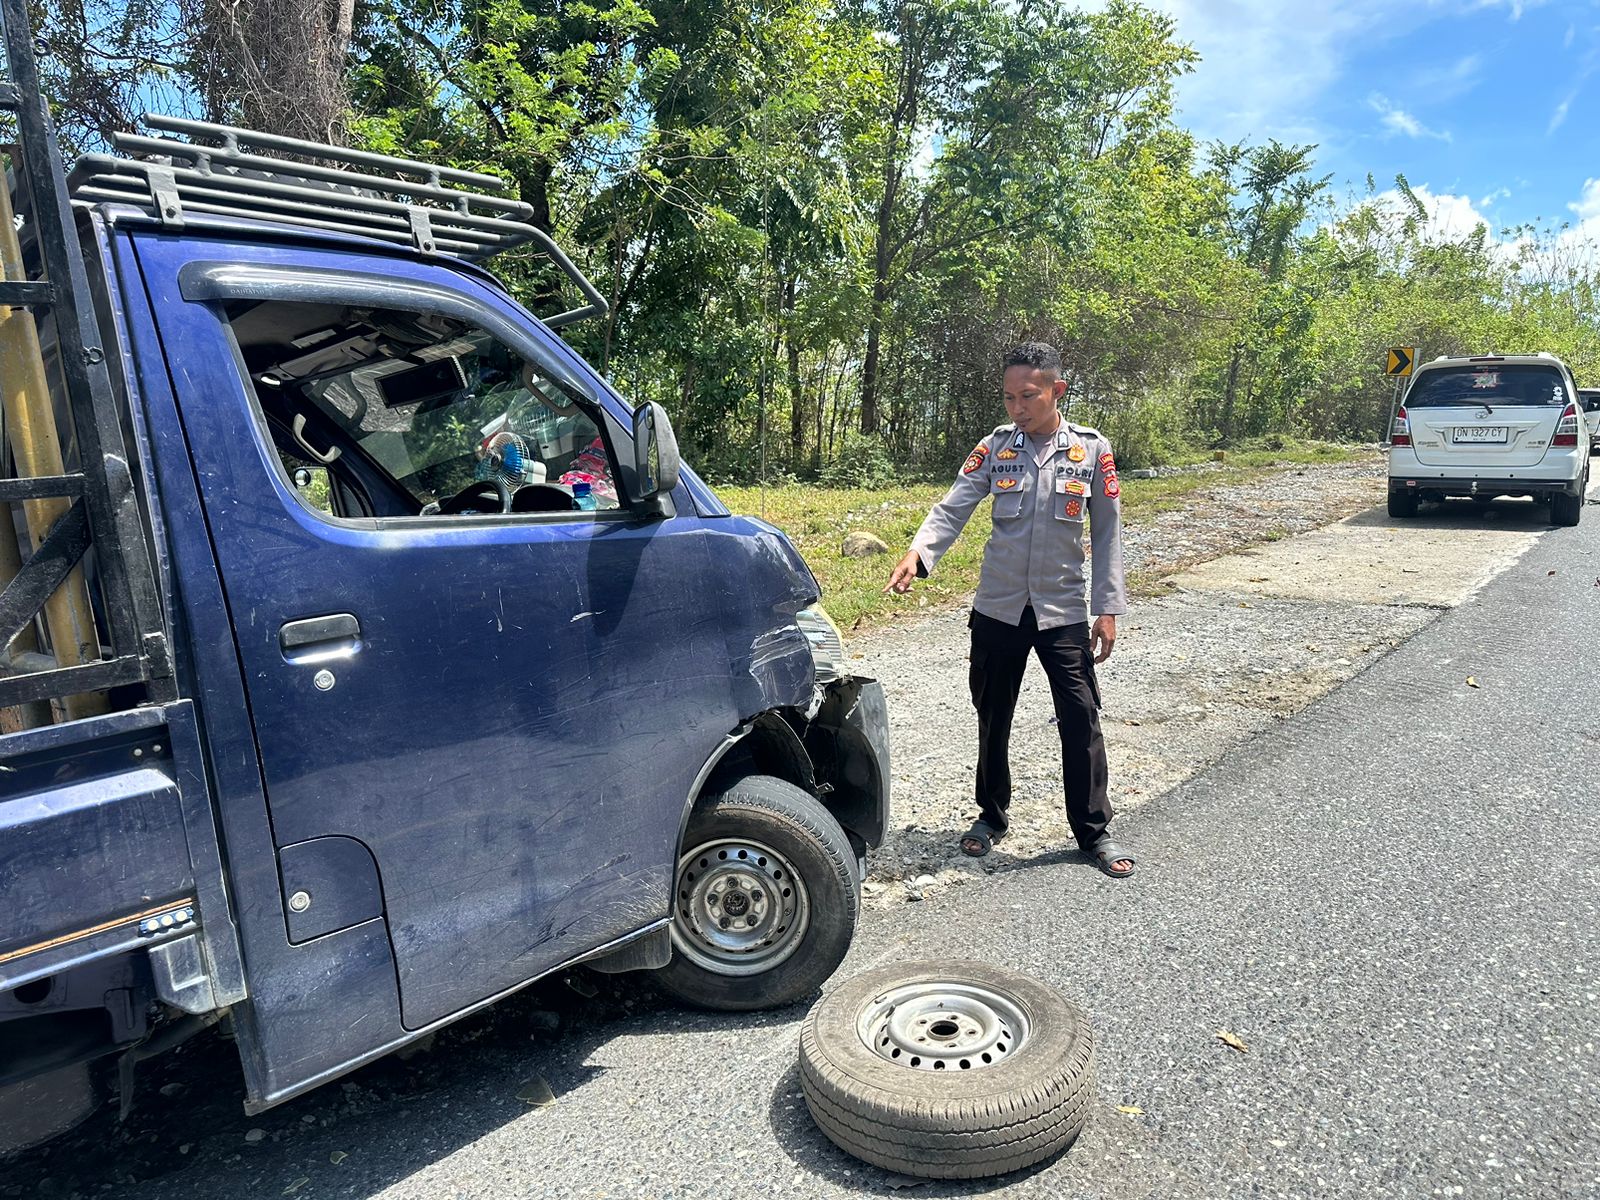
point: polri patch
(975, 459)
(1108, 476)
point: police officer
(1045, 476)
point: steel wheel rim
(741, 907)
(943, 1025)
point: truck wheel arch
(764, 745)
(770, 744)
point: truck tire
(1402, 504)
(765, 902)
(947, 1070)
(32, 1111)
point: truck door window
(449, 418)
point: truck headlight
(827, 646)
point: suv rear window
(1489, 383)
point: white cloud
(1264, 64)
(1514, 8)
(1450, 218)
(1397, 120)
(1439, 84)
(1554, 256)
(1495, 197)
(1560, 114)
(1587, 206)
(1576, 249)
(1267, 67)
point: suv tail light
(1400, 435)
(1567, 428)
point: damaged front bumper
(847, 740)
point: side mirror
(655, 452)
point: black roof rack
(226, 171)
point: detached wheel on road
(947, 1070)
(765, 904)
(1402, 504)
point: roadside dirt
(1255, 600)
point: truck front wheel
(765, 903)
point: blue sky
(1490, 108)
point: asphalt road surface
(1390, 898)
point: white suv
(1499, 425)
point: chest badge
(1006, 484)
(1074, 509)
(1076, 453)
(1007, 454)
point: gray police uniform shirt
(1042, 488)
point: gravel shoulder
(1257, 599)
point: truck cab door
(478, 707)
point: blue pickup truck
(424, 668)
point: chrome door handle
(318, 639)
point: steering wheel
(480, 496)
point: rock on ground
(863, 545)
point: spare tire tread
(979, 1157)
(954, 1137)
(1029, 1132)
(1014, 1114)
(997, 1114)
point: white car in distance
(1589, 398)
(1488, 426)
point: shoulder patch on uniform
(975, 459)
(1110, 487)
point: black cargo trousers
(999, 658)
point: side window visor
(208, 282)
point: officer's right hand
(904, 573)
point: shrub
(863, 464)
